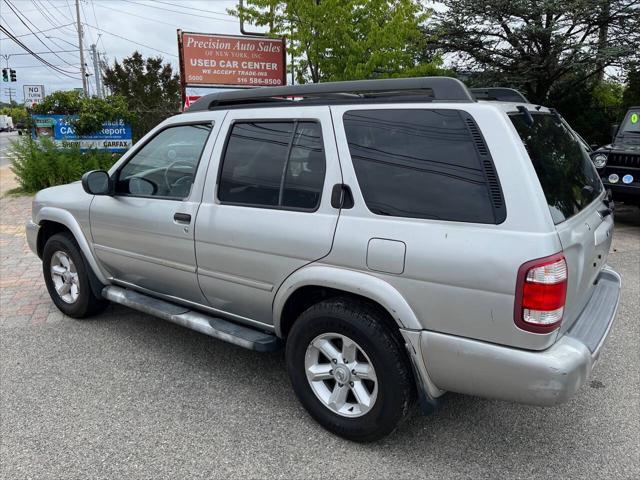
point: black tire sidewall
(392, 400)
(65, 243)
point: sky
(117, 27)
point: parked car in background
(618, 163)
(6, 123)
(399, 238)
(21, 127)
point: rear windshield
(631, 123)
(568, 178)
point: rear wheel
(67, 278)
(349, 369)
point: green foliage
(149, 88)
(539, 46)
(348, 39)
(590, 108)
(17, 114)
(631, 96)
(40, 163)
(90, 112)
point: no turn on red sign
(33, 94)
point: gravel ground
(127, 396)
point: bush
(41, 163)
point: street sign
(33, 94)
(215, 60)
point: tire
(391, 395)
(79, 301)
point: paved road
(127, 396)
(5, 140)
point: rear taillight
(541, 292)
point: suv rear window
(567, 176)
(419, 164)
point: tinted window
(166, 165)
(418, 163)
(273, 164)
(567, 176)
(631, 123)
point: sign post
(33, 94)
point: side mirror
(614, 130)
(97, 182)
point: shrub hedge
(40, 163)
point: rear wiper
(527, 115)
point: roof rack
(499, 94)
(435, 88)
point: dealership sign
(33, 94)
(114, 136)
(216, 60)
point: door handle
(182, 217)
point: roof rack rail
(499, 94)
(436, 88)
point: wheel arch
(314, 283)
(55, 220)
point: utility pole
(96, 69)
(85, 86)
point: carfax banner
(115, 136)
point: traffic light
(13, 75)
(5, 74)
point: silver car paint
(245, 253)
(457, 280)
(138, 241)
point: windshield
(631, 123)
(567, 176)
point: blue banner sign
(114, 136)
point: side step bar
(213, 326)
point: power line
(35, 54)
(214, 12)
(182, 13)
(39, 53)
(11, 6)
(41, 31)
(132, 41)
(136, 15)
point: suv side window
(276, 164)
(166, 165)
(419, 164)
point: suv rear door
(266, 209)
(574, 194)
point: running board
(213, 326)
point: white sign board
(33, 94)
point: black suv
(619, 163)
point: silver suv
(398, 238)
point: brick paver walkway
(23, 295)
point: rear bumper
(545, 377)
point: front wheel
(349, 369)
(67, 278)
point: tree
(631, 96)
(538, 45)
(89, 112)
(17, 114)
(347, 39)
(149, 87)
